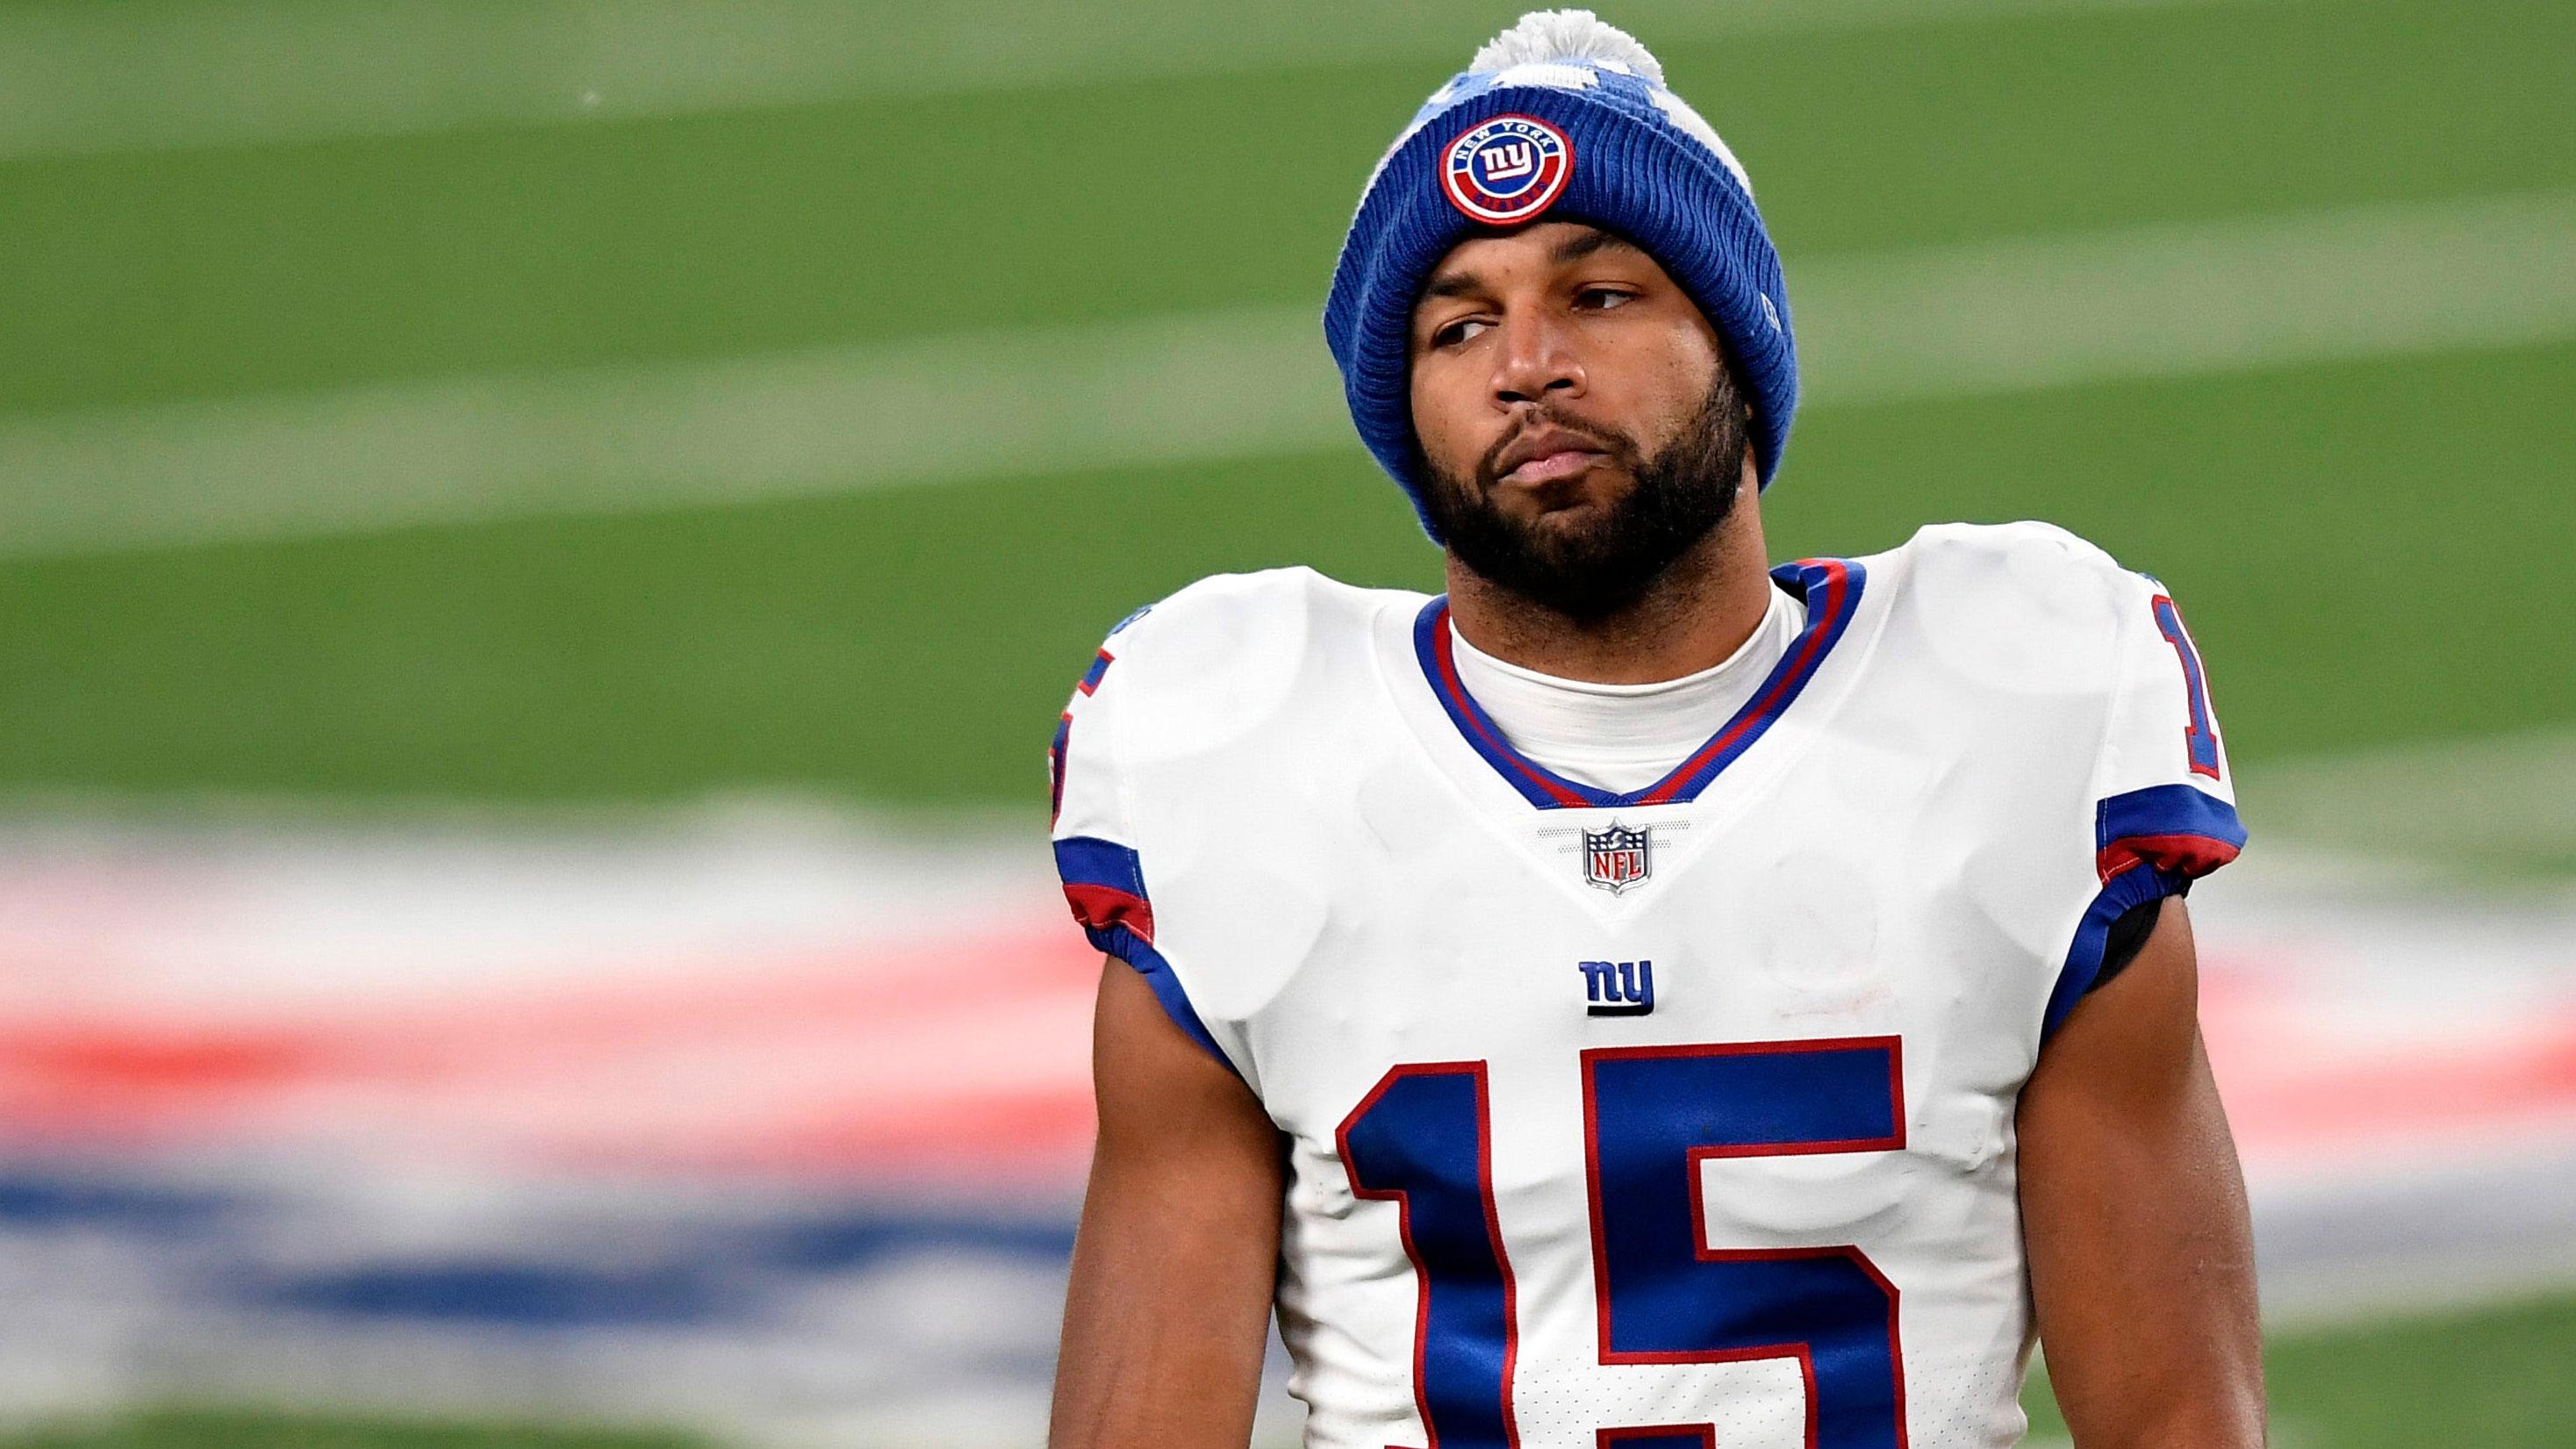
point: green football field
(2370, 531)
(2370, 546)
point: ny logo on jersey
(1618, 988)
(1617, 858)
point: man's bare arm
(2141, 1250)
(1178, 1250)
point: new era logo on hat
(1507, 169)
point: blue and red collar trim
(1832, 588)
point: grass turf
(186, 275)
(2491, 1379)
(912, 648)
(2359, 546)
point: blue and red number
(2199, 733)
(1423, 1139)
(1652, 1115)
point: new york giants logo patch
(1506, 170)
(1617, 858)
(1618, 988)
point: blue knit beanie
(1565, 118)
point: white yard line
(1988, 318)
(1192, 388)
(2171, 301)
(79, 78)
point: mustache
(1616, 445)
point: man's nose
(1536, 362)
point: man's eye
(1604, 298)
(1456, 332)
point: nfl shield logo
(1616, 858)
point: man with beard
(1644, 997)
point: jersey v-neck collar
(1832, 589)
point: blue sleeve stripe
(1140, 954)
(2130, 888)
(1055, 766)
(2150, 844)
(2165, 827)
(2166, 810)
(1105, 882)
(1090, 861)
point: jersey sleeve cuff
(2148, 844)
(2165, 827)
(1104, 882)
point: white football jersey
(1682, 1117)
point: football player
(1645, 996)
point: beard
(1591, 571)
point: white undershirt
(1623, 737)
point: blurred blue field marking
(78, 77)
(667, 1274)
(1983, 318)
(856, 1240)
(635, 1264)
(766, 1313)
(516, 1294)
(31, 1200)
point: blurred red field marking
(971, 1051)
(2432, 1096)
(2312, 1076)
(969, 1054)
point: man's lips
(1545, 454)
(1551, 466)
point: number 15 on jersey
(1423, 1139)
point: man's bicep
(1175, 1261)
(1156, 1079)
(2134, 1213)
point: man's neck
(1697, 615)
